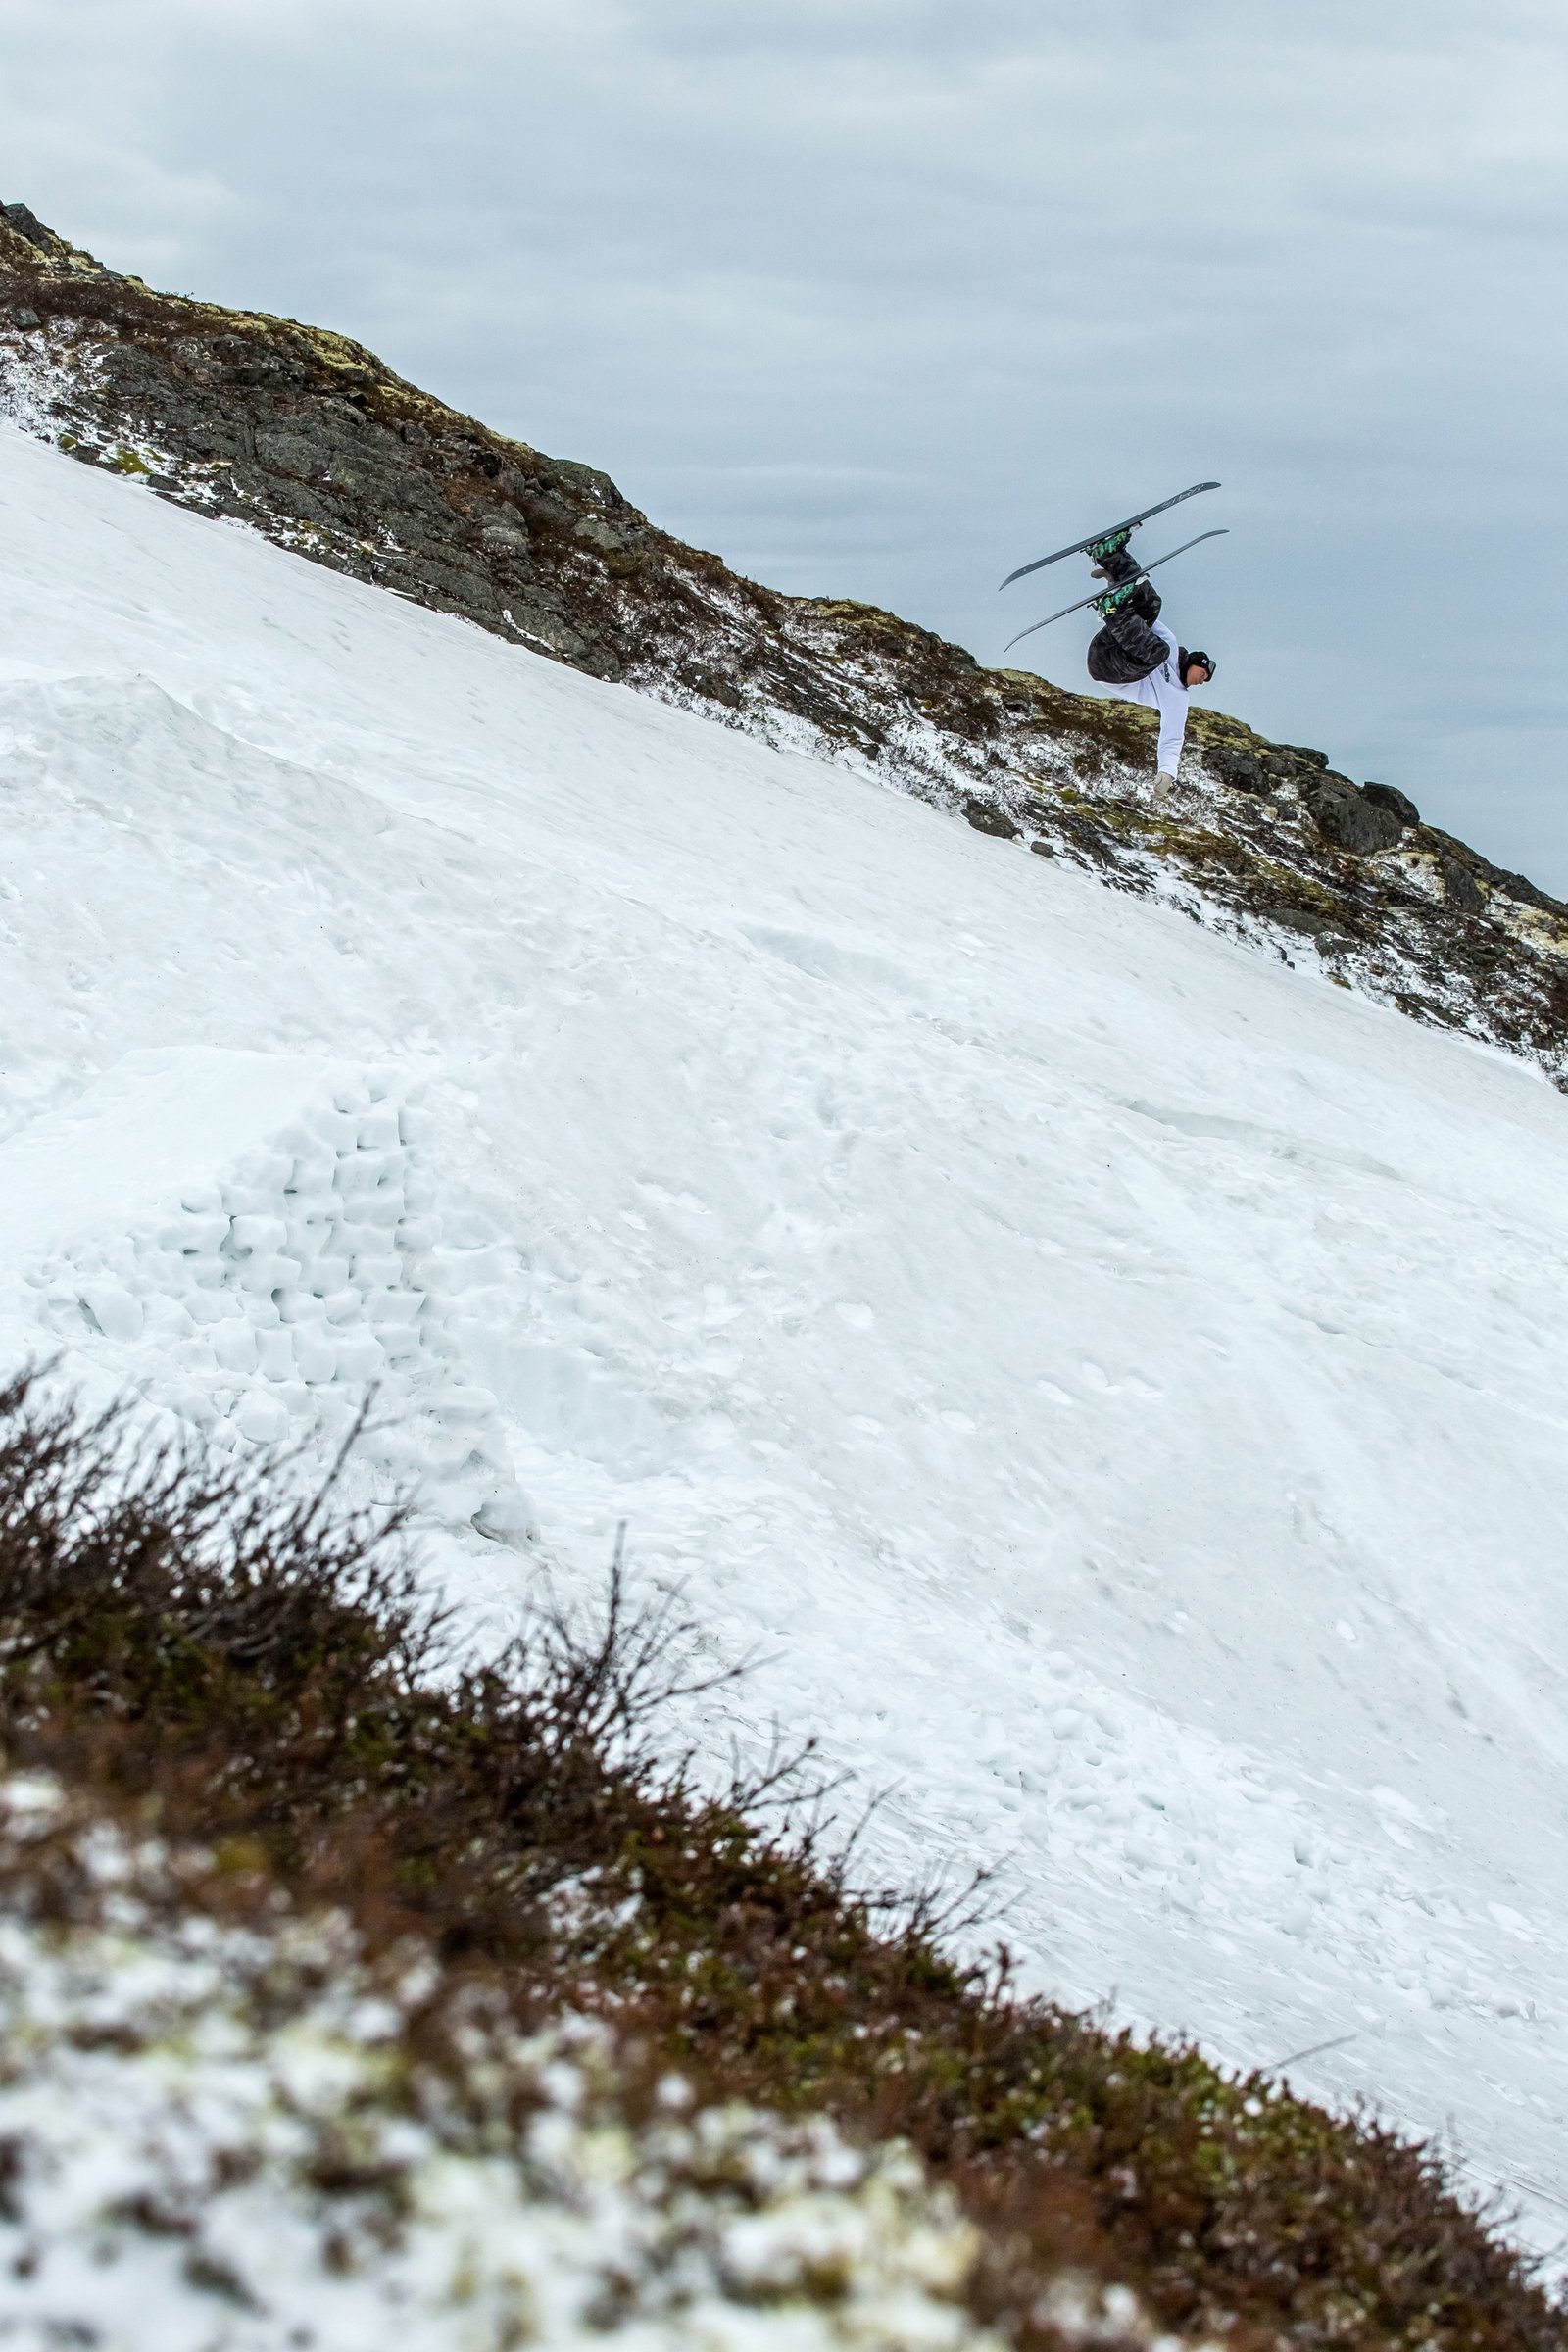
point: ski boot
(1109, 555)
(1122, 593)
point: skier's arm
(1170, 699)
(1172, 706)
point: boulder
(1386, 796)
(1349, 820)
(1238, 767)
(1304, 919)
(987, 817)
(1265, 769)
(1460, 887)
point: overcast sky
(881, 297)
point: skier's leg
(1135, 601)
(1143, 603)
(1100, 644)
(1111, 560)
(1118, 569)
(1126, 646)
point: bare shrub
(197, 1652)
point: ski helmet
(1196, 655)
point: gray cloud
(880, 296)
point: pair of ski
(1081, 547)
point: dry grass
(194, 1650)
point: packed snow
(1112, 1384)
(272, 1291)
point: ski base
(1080, 546)
(1141, 575)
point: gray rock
(452, 578)
(293, 454)
(1346, 819)
(986, 818)
(27, 224)
(1386, 796)
(548, 629)
(602, 535)
(716, 687)
(1263, 769)
(1243, 770)
(214, 440)
(544, 506)
(294, 499)
(368, 485)
(1460, 887)
(1304, 919)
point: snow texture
(244, 1239)
(1114, 1386)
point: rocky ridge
(308, 438)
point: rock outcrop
(310, 439)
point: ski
(1079, 546)
(1142, 574)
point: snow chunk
(252, 1206)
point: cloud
(876, 295)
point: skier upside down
(1133, 652)
(1136, 654)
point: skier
(1134, 651)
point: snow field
(1114, 1388)
(268, 1286)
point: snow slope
(1117, 1387)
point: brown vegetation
(198, 1651)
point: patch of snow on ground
(217, 2140)
(1116, 1387)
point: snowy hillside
(314, 443)
(1115, 1385)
